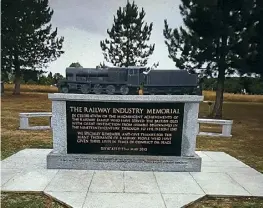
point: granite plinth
(126, 98)
(188, 161)
(124, 162)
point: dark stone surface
(79, 143)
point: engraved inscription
(124, 128)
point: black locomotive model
(128, 80)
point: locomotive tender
(128, 80)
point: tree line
(35, 77)
(236, 85)
(217, 38)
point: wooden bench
(226, 127)
(24, 123)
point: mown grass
(233, 202)
(14, 139)
(32, 88)
(29, 200)
(208, 95)
(231, 97)
(246, 143)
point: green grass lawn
(246, 143)
(233, 202)
(22, 200)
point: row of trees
(34, 77)
(218, 38)
(237, 85)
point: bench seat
(226, 127)
(24, 122)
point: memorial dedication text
(124, 128)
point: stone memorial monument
(124, 132)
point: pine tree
(209, 43)
(27, 39)
(128, 36)
(76, 64)
(251, 46)
(101, 65)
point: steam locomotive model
(128, 80)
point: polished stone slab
(100, 188)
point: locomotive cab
(135, 76)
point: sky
(84, 23)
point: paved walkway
(222, 175)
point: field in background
(32, 88)
(246, 143)
(208, 95)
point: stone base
(124, 162)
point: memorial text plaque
(124, 128)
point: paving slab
(224, 164)
(7, 174)
(140, 182)
(27, 159)
(203, 156)
(24, 164)
(32, 180)
(219, 184)
(253, 183)
(73, 199)
(123, 200)
(180, 183)
(229, 169)
(107, 181)
(220, 156)
(71, 180)
(221, 175)
(32, 152)
(180, 200)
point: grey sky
(83, 23)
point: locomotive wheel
(64, 89)
(97, 89)
(124, 90)
(85, 89)
(110, 89)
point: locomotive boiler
(128, 80)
